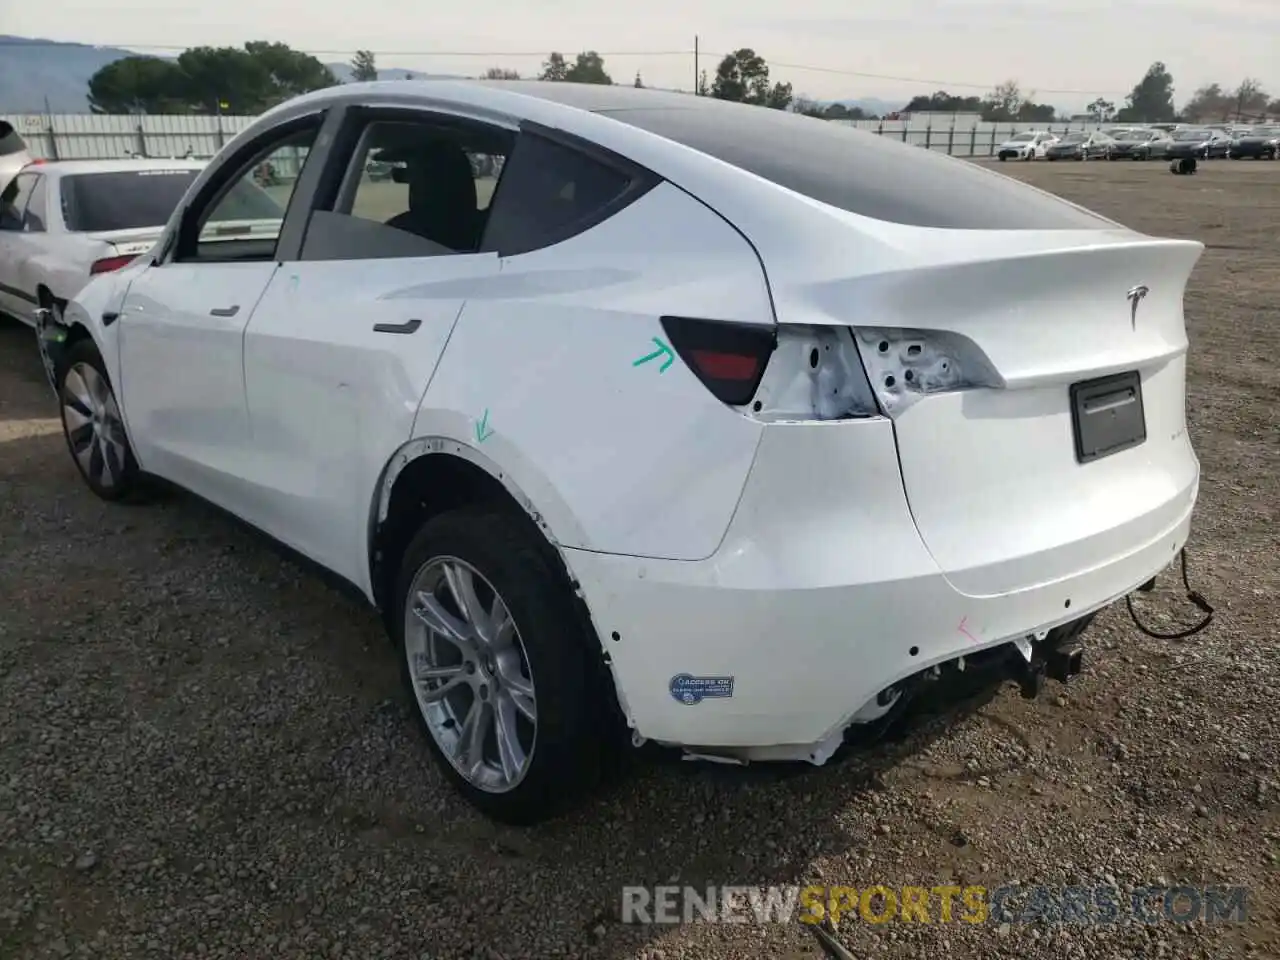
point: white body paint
(815, 562)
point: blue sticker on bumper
(690, 690)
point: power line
(498, 54)
(938, 84)
(334, 53)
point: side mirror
(400, 174)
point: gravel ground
(204, 752)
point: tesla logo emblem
(1136, 296)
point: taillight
(728, 357)
(108, 264)
(905, 365)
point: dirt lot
(204, 752)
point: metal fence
(973, 139)
(103, 136)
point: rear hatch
(985, 314)
(1037, 399)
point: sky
(1067, 51)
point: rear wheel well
(437, 483)
(58, 351)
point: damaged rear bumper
(822, 599)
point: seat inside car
(442, 196)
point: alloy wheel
(470, 674)
(95, 428)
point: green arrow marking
(483, 430)
(662, 350)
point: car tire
(94, 427)
(541, 661)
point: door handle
(225, 311)
(409, 326)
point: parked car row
(1145, 143)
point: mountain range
(39, 76)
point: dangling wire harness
(1194, 596)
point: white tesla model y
(716, 425)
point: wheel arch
(433, 474)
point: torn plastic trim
(431, 445)
(905, 365)
(51, 338)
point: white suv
(705, 424)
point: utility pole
(697, 77)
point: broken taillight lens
(728, 357)
(904, 365)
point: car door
(15, 246)
(346, 338)
(182, 322)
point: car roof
(63, 168)
(747, 162)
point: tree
(588, 67)
(501, 73)
(808, 108)
(554, 67)
(1032, 112)
(1151, 100)
(639, 83)
(744, 76)
(1208, 103)
(213, 79)
(138, 85)
(1003, 103)
(364, 66)
(943, 102)
(292, 72)
(838, 111)
(1250, 99)
(215, 75)
(1101, 110)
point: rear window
(126, 200)
(861, 172)
(10, 142)
(548, 192)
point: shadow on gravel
(763, 825)
(24, 392)
(249, 718)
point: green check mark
(483, 430)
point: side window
(548, 193)
(13, 202)
(412, 188)
(246, 212)
(37, 205)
